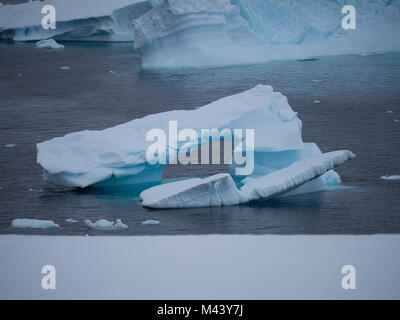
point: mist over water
(39, 101)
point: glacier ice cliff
(192, 33)
(221, 190)
(117, 156)
(76, 20)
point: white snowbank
(192, 33)
(200, 267)
(99, 20)
(220, 189)
(33, 224)
(104, 224)
(393, 177)
(118, 154)
(147, 222)
(50, 43)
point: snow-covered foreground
(200, 267)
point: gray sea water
(39, 101)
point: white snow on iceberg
(99, 20)
(192, 33)
(220, 189)
(50, 44)
(106, 225)
(33, 224)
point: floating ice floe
(33, 224)
(317, 101)
(221, 190)
(69, 220)
(35, 190)
(50, 43)
(389, 111)
(65, 68)
(393, 177)
(112, 71)
(10, 145)
(104, 224)
(396, 120)
(147, 222)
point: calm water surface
(39, 101)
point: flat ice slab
(220, 189)
(33, 224)
(200, 267)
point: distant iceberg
(33, 224)
(50, 44)
(106, 225)
(221, 190)
(193, 33)
(76, 20)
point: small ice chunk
(104, 224)
(65, 68)
(151, 222)
(316, 80)
(10, 145)
(396, 120)
(33, 224)
(49, 43)
(389, 111)
(112, 71)
(317, 101)
(35, 190)
(393, 177)
(69, 220)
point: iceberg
(117, 155)
(106, 225)
(193, 33)
(50, 44)
(33, 224)
(220, 189)
(76, 20)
